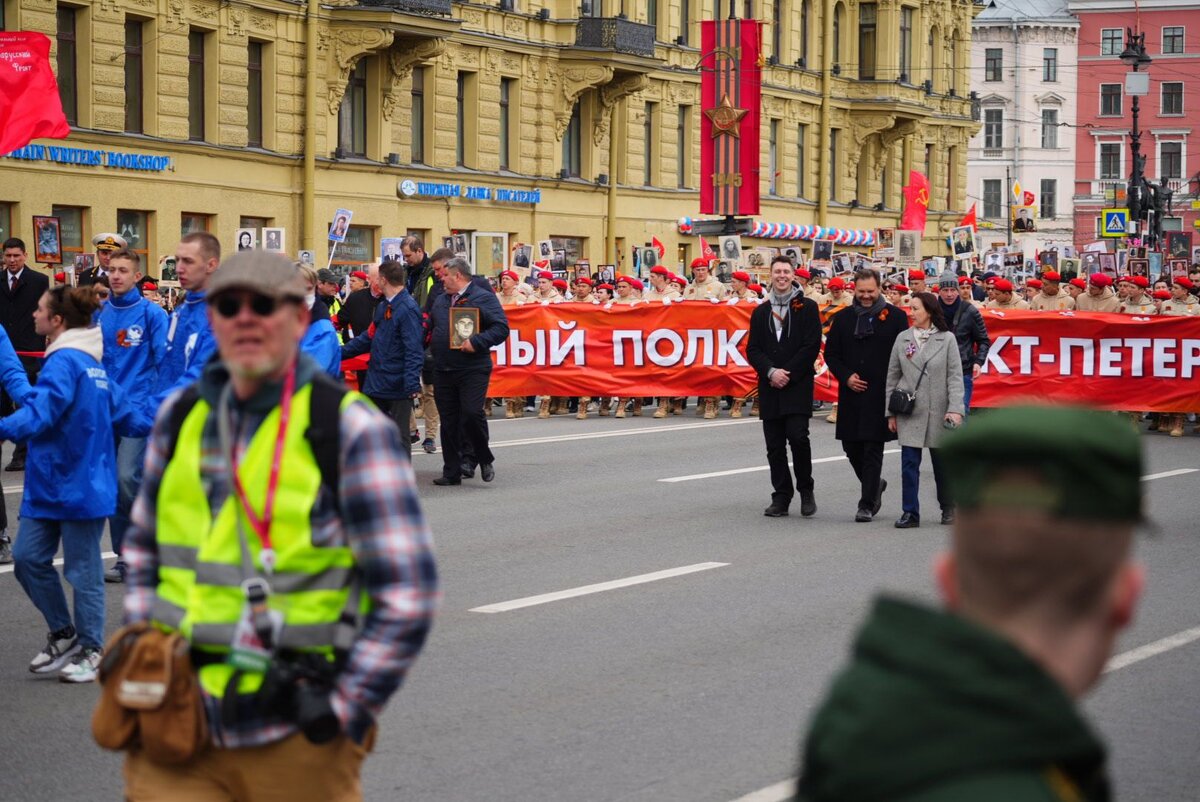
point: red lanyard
(262, 526)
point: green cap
(1090, 462)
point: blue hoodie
(135, 342)
(68, 420)
(321, 341)
(190, 344)
(12, 372)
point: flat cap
(269, 274)
(326, 276)
(1089, 462)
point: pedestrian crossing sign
(1116, 223)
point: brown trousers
(287, 771)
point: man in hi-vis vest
(305, 583)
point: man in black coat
(857, 351)
(461, 374)
(969, 330)
(785, 339)
(20, 292)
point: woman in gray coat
(927, 344)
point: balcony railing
(427, 7)
(616, 34)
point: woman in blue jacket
(70, 480)
(321, 339)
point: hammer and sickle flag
(916, 203)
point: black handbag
(902, 402)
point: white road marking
(786, 790)
(14, 489)
(641, 430)
(8, 569)
(716, 474)
(600, 587)
(1169, 474)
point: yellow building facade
(510, 121)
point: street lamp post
(1134, 56)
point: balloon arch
(790, 231)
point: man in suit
(20, 292)
(785, 338)
(461, 375)
(857, 351)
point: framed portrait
(1014, 260)
(822, 250)
(730, 248)
(464, 324)
(545, 250)
(307, 258)
(962, 241)
(843, 262)
(522, 255)
(606, 273)
(1138, 267)
(84, 262)
(558, 262)
(448, 243)
(647, 258)
(247, 239)
(1122, 260)
(793, 254)
(47, 240)
(1178, 268)
(274, 240)
(908, 248)
(1179, 244)
(725, 271)
(1049, 260)
(388, 246)
(460, 246)
(340, 226)
(993, 261)
(1155, 258)
(885, 241)
(1108, 263)
(1069, 264)
(1022, 219)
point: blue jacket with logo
(68, 421)
(135, 342)
(396, 341)
(321, 341)
(190, 344)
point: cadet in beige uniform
(1005, 300)
(704, 285)
(509, 295)
(965, 286)
(583, 295)
(546, 293)
(739, 286)
(1052, 298)
(804, 278)
(1099, 296)
(1136, 301)
(1075, 288)
(1181, 304)
(626, 285)
(659, 276)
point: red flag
(916, 203)
(29, 103)
(1029, 199)
(659, 247)
(706, 250)
(969, 219)
(542, 264)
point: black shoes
(487, 472)
(808, 503)
(15, 465)
(863, 516)
(468, 471)
(776, 510)
(908, 520)
(879, 498)
(947, 517)
(442, 481)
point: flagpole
(1008, 201)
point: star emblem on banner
(725, 118)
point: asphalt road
(691, 687)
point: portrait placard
(464, 324)
(47, 241)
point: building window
(1049, 199)
(993, 128)
(358, 249)
(5, 215)
(801, 161)
(866, 41)
(652, 12)
(1173, 39)
(773, 158)
(133, 76)
(993, 198)
(1172, 98)
(1110, 100)
(993, 64)
(1110, 160)
(134, 226)
(505, 120)
(1170, 160)
(352, 116)
(68, 78)
(460, 112)
(833, 163)
(683, 148)
(1049, 128)
(648, 143)
(838, 12)
(1112, 41)
(777, 27)
(951, 176)
(191, 222)
(929, 161)
(804, 21)
(70, 222)
(196, 85)
(254, 94)
(931, 62)
(1050, 64)
(906, 24)
(685, 21)
(572, 146)
(418, 116)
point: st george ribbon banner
(1117, 362)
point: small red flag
(969, 219)
(29, 103)
(659, 247)
(916, 203)
(706, 250)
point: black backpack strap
(324, 432)
(179, 412)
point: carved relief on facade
(350, 45)
(576, 80)
(400, 63)
(610, 95)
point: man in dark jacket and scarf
(978, 702)
(857, 351)
(785, 338)
(966, 323)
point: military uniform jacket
(630, 301)
(1142, 306)
(1052, 303)
(664, 295)
(513, 298)
(1107, 302)
(1183, 308)
(700, 291)
(1015, 304)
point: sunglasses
(228, 306)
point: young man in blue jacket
(135, 346)
(190, 342)
(396, 341)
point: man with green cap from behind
(978, 701)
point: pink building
(1167, 117)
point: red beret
(149, 285)
(1035, 283)
(680, 280)
(803, 272)
(699, 262)
(559, 284)
(754, 288)
(660, 270)
(585, 280)
(360, 275)
(510, 274)
(836, 283)
(741, 275)
(636, 284)
(1162, 295)
(1003, 285)
(546, 274)
(916, 275)
(61, 277)
(1051, 275)
(964, 281)
(1184, 282)
(1140, 281)
(900, 287)
(605, 286)
(624, 278)
(1080, 283)
(1100, 279)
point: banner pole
(332, 251)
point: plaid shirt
(380, 520)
